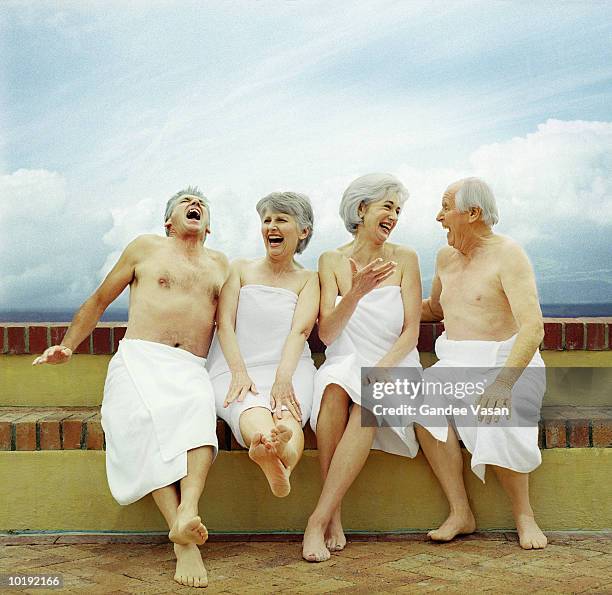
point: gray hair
(294, 204)
(189, 191)
(474, 192)
(367, 189)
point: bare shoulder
(511, 252)
(444, 255)
(143, 245)
(331, 259)
(218, 258)
(403, 254)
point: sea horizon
(120, 315)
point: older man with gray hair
(158, 411)
(484, 289)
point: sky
(108, 108)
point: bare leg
(331, 424)
(447, 464)
(516, 485)
(189, 566)
(348, 460)
(188, 527)
(256, 426)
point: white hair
(291, 203)
(367, 189)
(189, 191)
(474, 192)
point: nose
(439, 216)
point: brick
(57, 334)
(555, 433)
(72, 430)
(541, 435)
(596, 336)
(438, 329)
(102, 341)
(553, 336)
(5, 435)
(25, 435)
(574, 335)
(16, 339)
(2, 342)
(578, 433)
(426, 338)
(222, 435)
(95, 435)
(84, 347)
(38, 339)
(316, 345)
(234, 445)
(602, 433)
(49, 429)
(310, 438)
(118, 334)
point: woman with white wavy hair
(260, 363)
(369, 317)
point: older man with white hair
(484, 289)
(158, 411)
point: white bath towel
(158, 404)
(263, 323)
(507, 444)
(369, 334)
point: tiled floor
(572, 563)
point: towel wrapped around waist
(512, 444)
(158, 404)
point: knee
(335, 397)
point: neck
(364, 250)
(473, 238)
(190, 245)
(279, 265)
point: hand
(498, 395)
(240, 385)
(282, 394)
(56, 354)
(371, 275)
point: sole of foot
(313, 547)
(453, 526)
(273, 468)
(530, 535)
(190, 531)
(279, 439)
(190, 570)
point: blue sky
(108, 108)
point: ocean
(118, 315)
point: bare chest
(470, 284)
(181, 277)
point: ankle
(187, 508)
(316, 521)
(462, 509)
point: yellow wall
(67, 490)
(81, 381)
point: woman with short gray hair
(369, 317)
(260, 363)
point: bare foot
(455, 524)
(271, 465)
(279, 439)
(530, 535)
(334, 535)
(313, 548)
(190, 569)
(188, 528)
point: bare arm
(89, 313)
(226, 329)
(332, 318)
(518, 282)
(431, 309)
(411, 297)
(301, 326)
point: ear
(168, 225)
(304, 233)
(361, 209)
(474, 214)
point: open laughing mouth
(275, 240)
(194, 213)
(386, 227)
